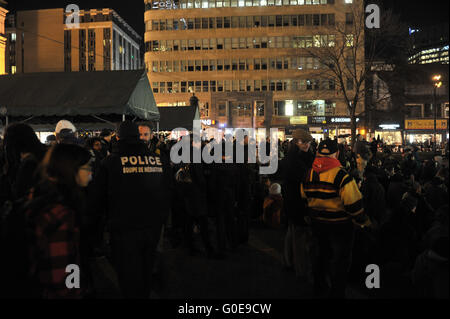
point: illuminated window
(349, 40)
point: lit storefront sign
(315, 130)
(425, 124)
(342, 120)
(208, 122)
(390, 126)
(169, 4)
(299, 120)
(330, 120)
(317, 120)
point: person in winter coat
(335, 207)
(226, 181)
(55, 212)
(374, 196)
(94, 146)
(131, 190)
(296, 242)
(23, 151)
(398, 238)
(299, 161)
(430, 273)
(439, 227)
(396, 189)
(194, 193)
(436, 193)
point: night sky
(414, 12)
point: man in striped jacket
(335, 206)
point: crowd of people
(119, 195)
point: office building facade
(49, 41)
(430, 45)
(3, 12)
(248, 61)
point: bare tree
(349, 50)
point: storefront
(390, 134)
(333, 126)
(422, 131)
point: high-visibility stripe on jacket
(333, 197)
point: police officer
(335, 207)
(130, 188)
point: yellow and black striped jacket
(333, 197)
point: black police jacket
(131, 188)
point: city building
(402, 105)
(3, 12)
(50, 41)
(430, 45)
(424, 103)
(249, 61)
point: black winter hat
(327, 147)
(128, 130)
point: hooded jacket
(131, 188)
(332, 195)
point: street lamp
(437, 83)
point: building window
(82, 50)
(107, 49)
(350, 83)
(222, 108)
(349, 40)
(67, 50)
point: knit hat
(327, 147)
(409, 201)
(64, 124)
(302, 135)
(275, 189)
(128, 130)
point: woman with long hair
(55, 213)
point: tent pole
(7, 120)
(157, 127)
(123, 118)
